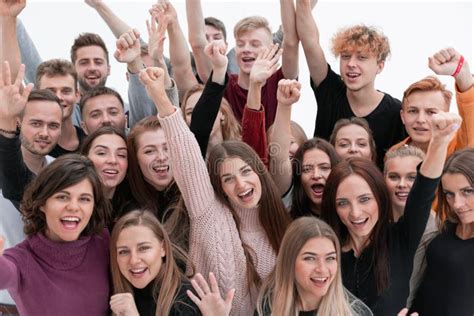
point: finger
(403, 312)
(197, 288)
(117, 54)
(27, 90)
(213, 283)
(445, 54)
(452, 53)
(193, 298)
(433, 63)
(274, 49)
(136, 33)
(229, 297)
(148, 27)
(6, 73)
(19, 77)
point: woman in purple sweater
(62, 268)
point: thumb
(2, 243)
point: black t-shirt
(448, 284)
(384, 120)
(59, 151)
(182, 305)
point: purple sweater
(51, 278)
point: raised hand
(123, 304)
(288, 92)
(128, 47)
(209, 299)
(444, 126)
(266, 64)
(444, 62)
(93, 3)
(12, 98)
(215, 51)
(165, 8)
(11, 8)
(156, 36)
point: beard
(30, 146)
(85, 87)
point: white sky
(416, 30)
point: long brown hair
(272, 213)
(368, 171)
(280, 291)
(460, 162)
(168, 280)
(300, 202)
(64, 172)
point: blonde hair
(279, 291)
(252, 23)
(403, 151)
(367, 38)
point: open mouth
(110, 172)
(319, 281)
(70, 222)
(420, 129)
(248, 59)
(318, 189)
(359, 222)
(401, 194)
(161, 170)
(352, 75)
(246, 196)
(138, 272)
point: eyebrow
(240, 169)
(315, 254)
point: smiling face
(315, 269)
(248, 45)
(64, 87)
(139, 255)
(459, 194)
(400, 174)
(353, 141)
(92, 67)
(240, 183)
(153, 158)
(102, 110)
(358, 69)
(108, 152)
(357, 207)
(417, 113)
(68, 211)
(315, 169)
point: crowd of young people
(200, 196)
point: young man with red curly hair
(362, 51)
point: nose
(317, 173)
(356, 211)
(106, 119)
(319, 266)
(44, 130)
(401, 182)
(239, 182)
(353, 149)
(73, 205)
(352, 61)
(134, 257)
(162, 156)
(112, 159)
(458, 202)
(421, 117)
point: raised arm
(253, 119)
(9, 274)
(189, 169)
(289, 62)
(10, 51)
(115, 24)
(179, 51)
(308, 34)
(208, 298)
(449, 62)
(280, 165)
(207, 107)
(197, 38)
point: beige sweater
(214, 244)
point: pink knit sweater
(215, 245)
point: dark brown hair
(62, 173)
(85, 40)
(56, 68)
(272, 213)
(368, 171)
(460, 162)
(216, 23)
(300, 202)
(98, 91)
(42, 95)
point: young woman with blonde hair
(307, 276)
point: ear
(84, 128)
(402, 116)
(163, 252)
(108, 70)
(380, 67)
(41, 208)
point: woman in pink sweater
(236, 214)
(62, 268)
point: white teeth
(109, 171)
(245, 193)
(161, 168)
(359, 221)
(402, 194)
(70, 219)
(319, 279)
(138, 270)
